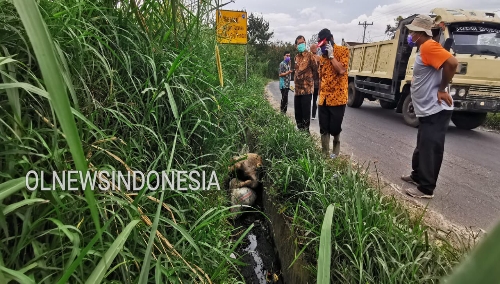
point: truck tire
(387, 105)
(468, 120)
(355, 97)
(408, 113)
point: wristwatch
(445, 90)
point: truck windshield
(476, 39)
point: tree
(314, 39)
(391, 30)
(258, 30)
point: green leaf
(12, 186)
(186, 235)
(12, 207)
(45, 52)
(103, 265)
(483, 263)
(16, 275)
(173, 105)
(143, 277)
(69, 271)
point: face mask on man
(410, 41)
(301, 47)
(287, 59)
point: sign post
(231, 28)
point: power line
(364, 28)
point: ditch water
(257, 250)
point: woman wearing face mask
(284, 74)
(305, 67)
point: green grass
(94, 87)
(493, 121)
(90, 86)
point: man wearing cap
(333, 82)
(433, 70)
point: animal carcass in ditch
(246, 169)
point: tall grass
(135, 88)
(113, 86)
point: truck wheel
(468, 120)
(387, 105)
(409, 113)
(355, 98)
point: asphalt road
(468, 188)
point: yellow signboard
(231, 27)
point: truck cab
(473, 37)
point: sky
(290, 18)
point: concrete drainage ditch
(268, 249)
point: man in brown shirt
(305, 67)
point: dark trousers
(315, 102)
(302, 105)
(428, 154)
(330, 119)
(284, 99)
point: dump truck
(383, 70)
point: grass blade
(147, 255)
(173, 105)
(12, 94)
(101, 268)
(69, 271)
(46, 56)
(16, 275)
(481, 266)
(12, 207)
(12, 186)
(325, 247)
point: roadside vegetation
(144, 92)
(493, 121)
(374, 240)
(145, 96)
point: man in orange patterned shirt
(333, 83)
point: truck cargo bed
(375, 59)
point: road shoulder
(441, 231)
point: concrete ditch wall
(284, 242)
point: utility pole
(364, 28)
